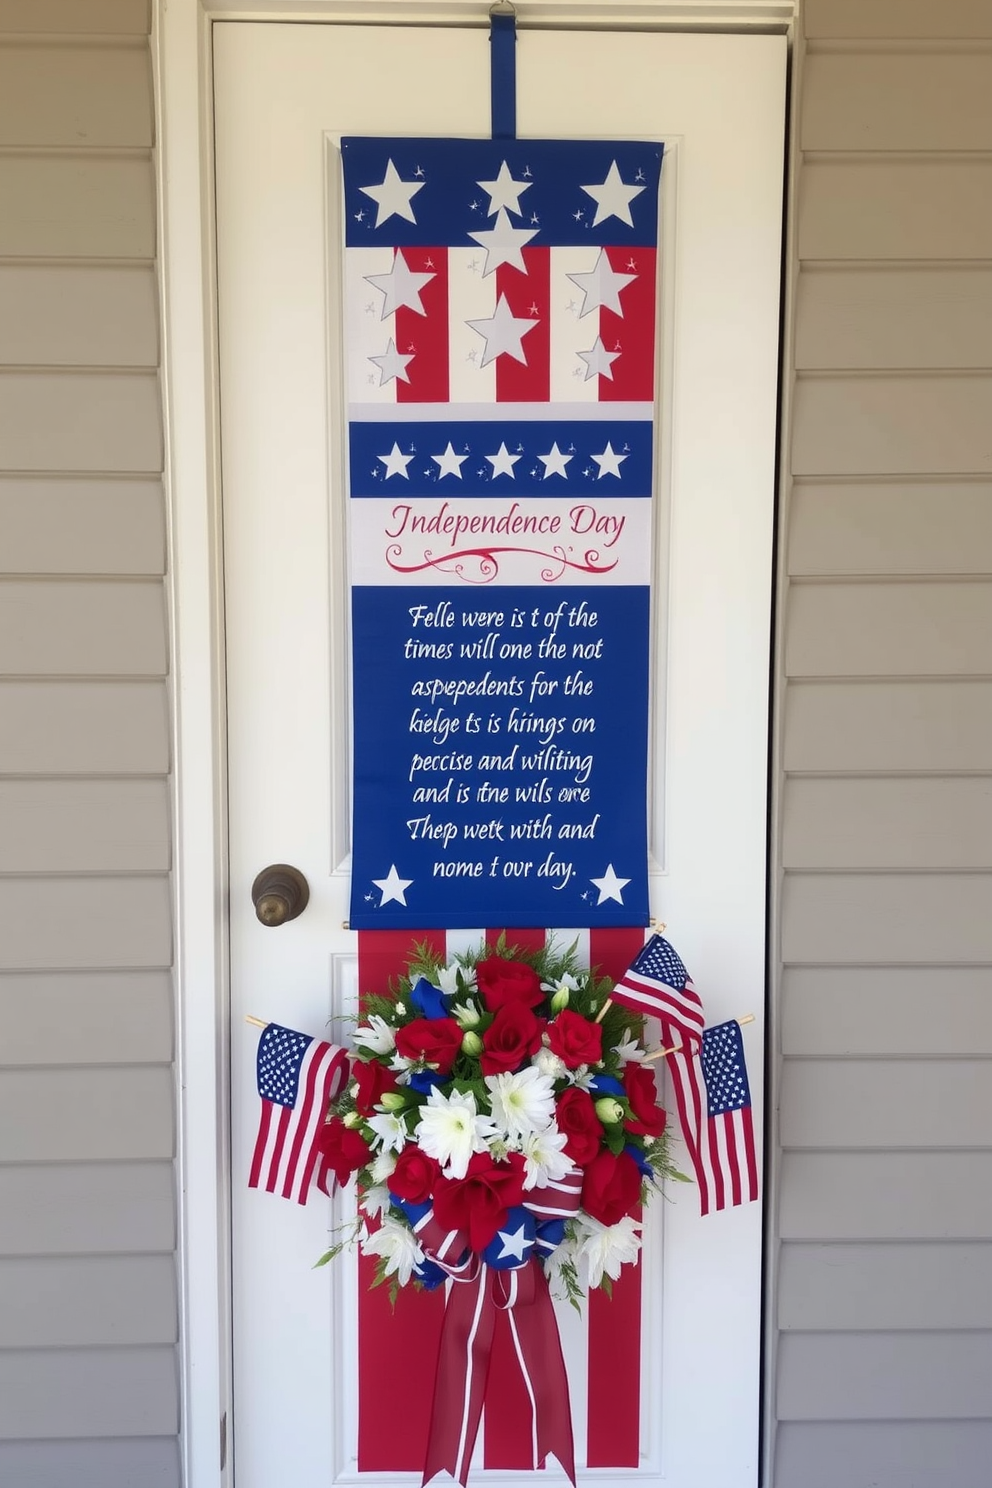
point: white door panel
(284, 94)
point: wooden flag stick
(255, 1022)
(660, 1053)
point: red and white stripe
(602, 1350)
(286, 1154)
(721, 1147)
(446, 352)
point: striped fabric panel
(392, 1429)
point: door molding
(182, 62)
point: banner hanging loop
(503, 69)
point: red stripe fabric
(633, 332)
(613, 1433)
(528, 295)
(393, 1424)
(265, 1120)
(508, 1437)
(425, 337)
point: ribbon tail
(460, 1382)
(542, 1358)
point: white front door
(284, 96)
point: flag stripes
(392, 1428)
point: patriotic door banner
(499, 326)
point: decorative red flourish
(488, 563)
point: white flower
(376, 1035)
(382, 1165)
(565, 983)
(628, 1048)
(521, 1103)
(545, 1159)
(377, 1199)
(450, 1129)
(390, 1130)
(549, 1064)
(466, 1014)
(403, 1068)
(454, 978)
(399, 1247)
(401, 1009)
(607, 1247)
(582, 1077)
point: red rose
(435, 1040)
(576, 1116)
(346, 1150)
(502, 982)
(373, 1080)
(575, 1040)
(611, 1187)
(509, 1041)
(646, 1116)
(414, 1176)
(478, 1203)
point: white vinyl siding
(883, 1229)
(88, 1367)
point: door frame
(182, 64)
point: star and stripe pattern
(499, 318)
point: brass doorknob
(279, 893)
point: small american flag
(709, 1075)
(297, 1077)
(714, 1104)
(658, 985)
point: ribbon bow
(507, 1277)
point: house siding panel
(880, 1328)
(92, 728)
(80, 96)
(88, 1227)
(919, 1454)
(77, 206)
(104, 316)
(126, 1463)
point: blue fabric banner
(500, 366)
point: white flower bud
(609, 1111)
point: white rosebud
(560, 1000)
(609, 1111)
(352, 1119)
(392, 1101)
(471, 1044)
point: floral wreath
(505, 1130)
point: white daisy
(376, 1035)
(450, 1129)
(545, 1160)
(399, 1247)
(390, 1131)
(628, 1048)
(607, 1247)
(466, 1014)
(521, 1103)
